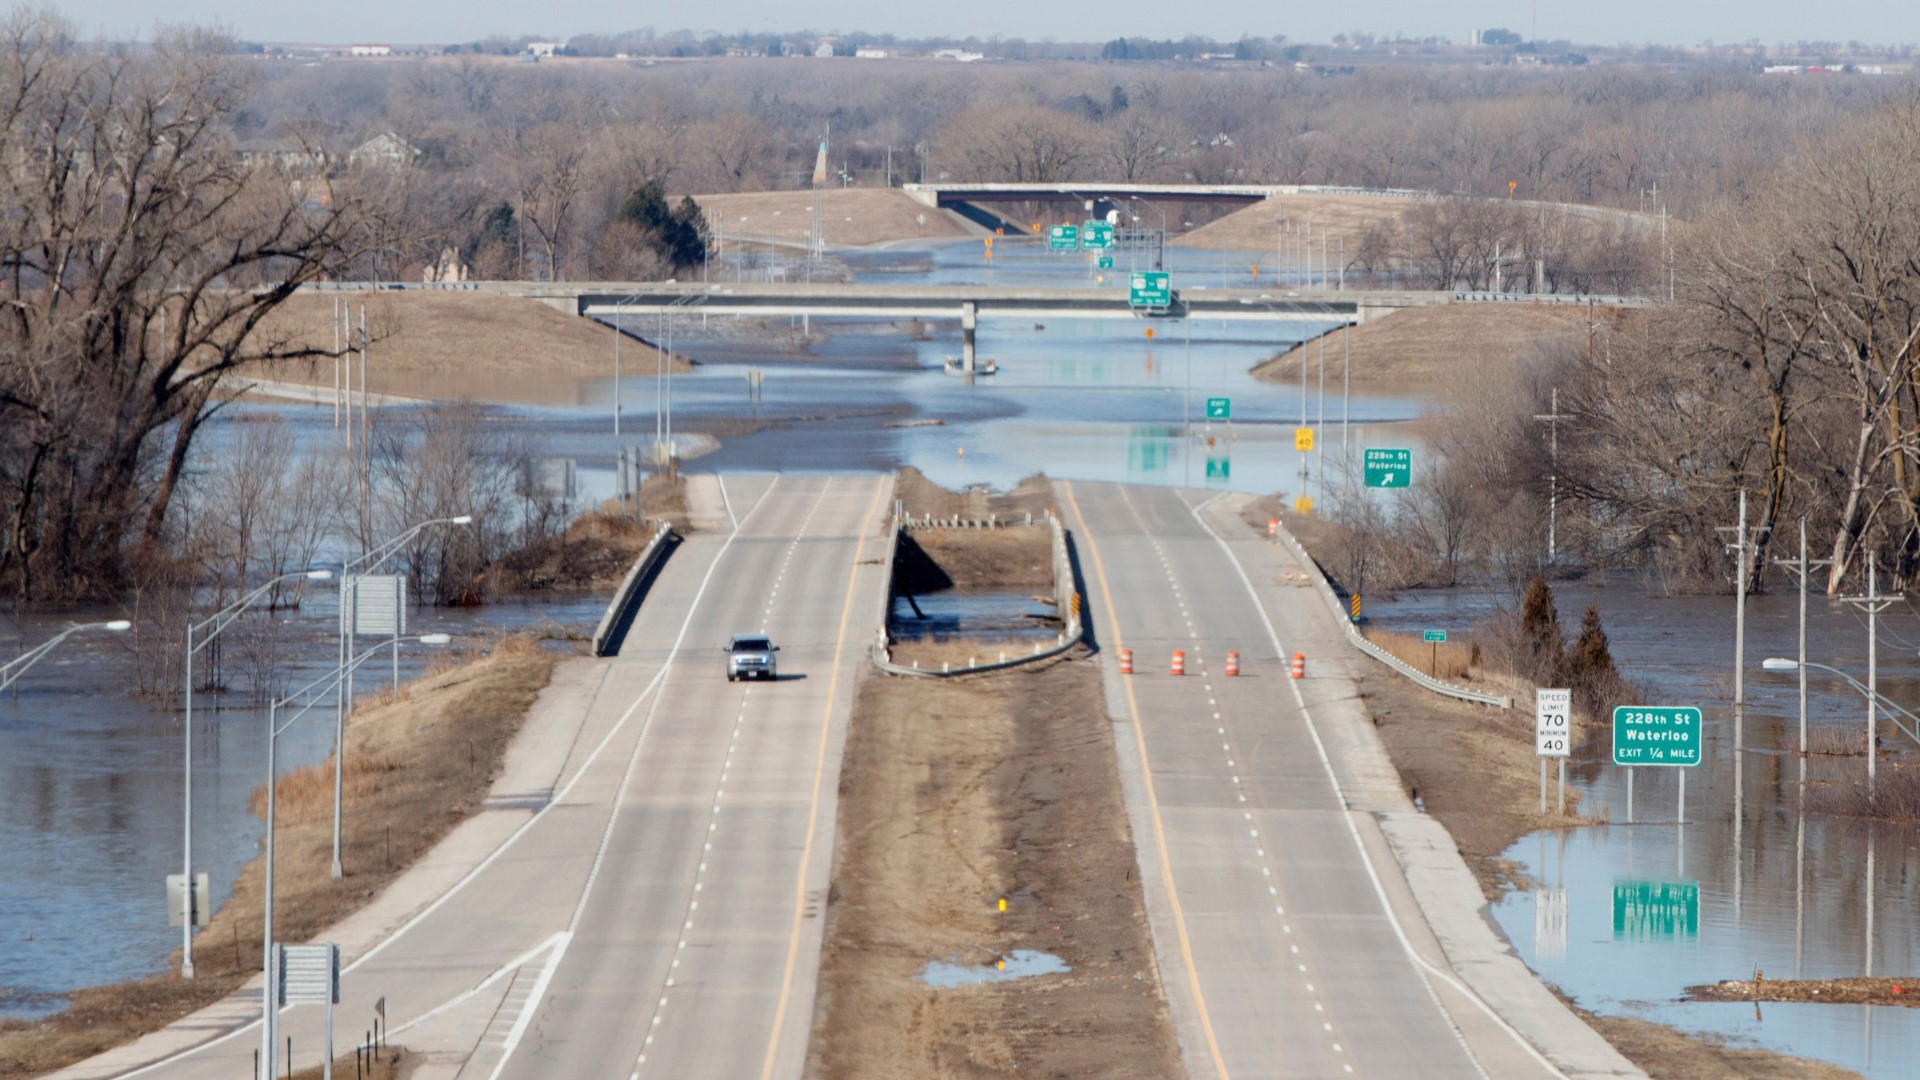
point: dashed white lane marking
(1260, 856)
(720, 789)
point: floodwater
(90, 789)
(952, 613)
(1624, 917)
(1018, 964)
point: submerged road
(658, 912)
(1289, 943)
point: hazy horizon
(1875, 22)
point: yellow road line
(1153, 801)
(813, 810)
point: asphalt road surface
(659, 915)
(1287, 942)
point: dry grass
(1450, 660)
(922, 497)
(955, 794)
(1428, 348)
(964, 651)
(1257, 227)
(416, 767)
(849, 217)
(1893, 796)
(452, 344)
(389, 1063)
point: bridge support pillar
(969, 322)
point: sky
(1686, 22)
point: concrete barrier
(633, 589)
(1325, 588)
(1066, 597)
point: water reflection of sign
(1655, 910)
(1147, 450)
(1219, 468)
(1388, 468)
(1656, 735)
(1550, 923)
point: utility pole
(1801, 567)
(1552, 420)
(1873, 604)
(1742, 549)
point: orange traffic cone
(1126, 661)
(1179, 662)
(1299, 670)
(1233, 663)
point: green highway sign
(1656, 735)
(1105, 262)
(1434, 635)
(1655, 910)
(1150, 289)
(1096, 236)
(1063, 237)
(1388, 468)
(1219, 408)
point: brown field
(415, 769)
(954, 795)
(1256, 228)
(1419, 349)
(457, 344)
(849, 217)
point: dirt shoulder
(433, 344)
(1428, 348)
(1487, 798)
(415, 768)
(849, 217)
(955, 795)
(921, 497)
(1856, 991)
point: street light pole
(269, 996)
(199, 636)
(343, 689)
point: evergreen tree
(1542, 647)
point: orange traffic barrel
(1179, 662)
(1126, 661)
(1299, 670)
(1273, 526)
(1233, 663)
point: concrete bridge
(1088, 194)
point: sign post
(1387, 468)
(1433, 638)
(1551, 709)
(1667, 736)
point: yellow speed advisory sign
(1303, 439)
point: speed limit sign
(1551, 734)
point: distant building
(870, 54)
(823, 49)
(370, 50)
(543, 48)
(385, 150)
(961, 55)
(1781, 69)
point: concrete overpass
(1087, 193)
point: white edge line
(1346, 816)
(520, 1022)
(481, 867)
(499, 973)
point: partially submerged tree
(140, 256)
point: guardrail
(1359, 641)
(633, 588)
(1066, 598)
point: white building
(385, 150)
(961, 55)
(370, 50)
(543, 48)
(870, 54)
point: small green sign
(1105, 262)
(1656, 735)
(1219, 408)
(1386, 468)
(1096, 236)
(1150, 289)
(1434, 635)
(1063, 237)
(1655, 910)
(1219, 468)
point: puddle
(1019, 964)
